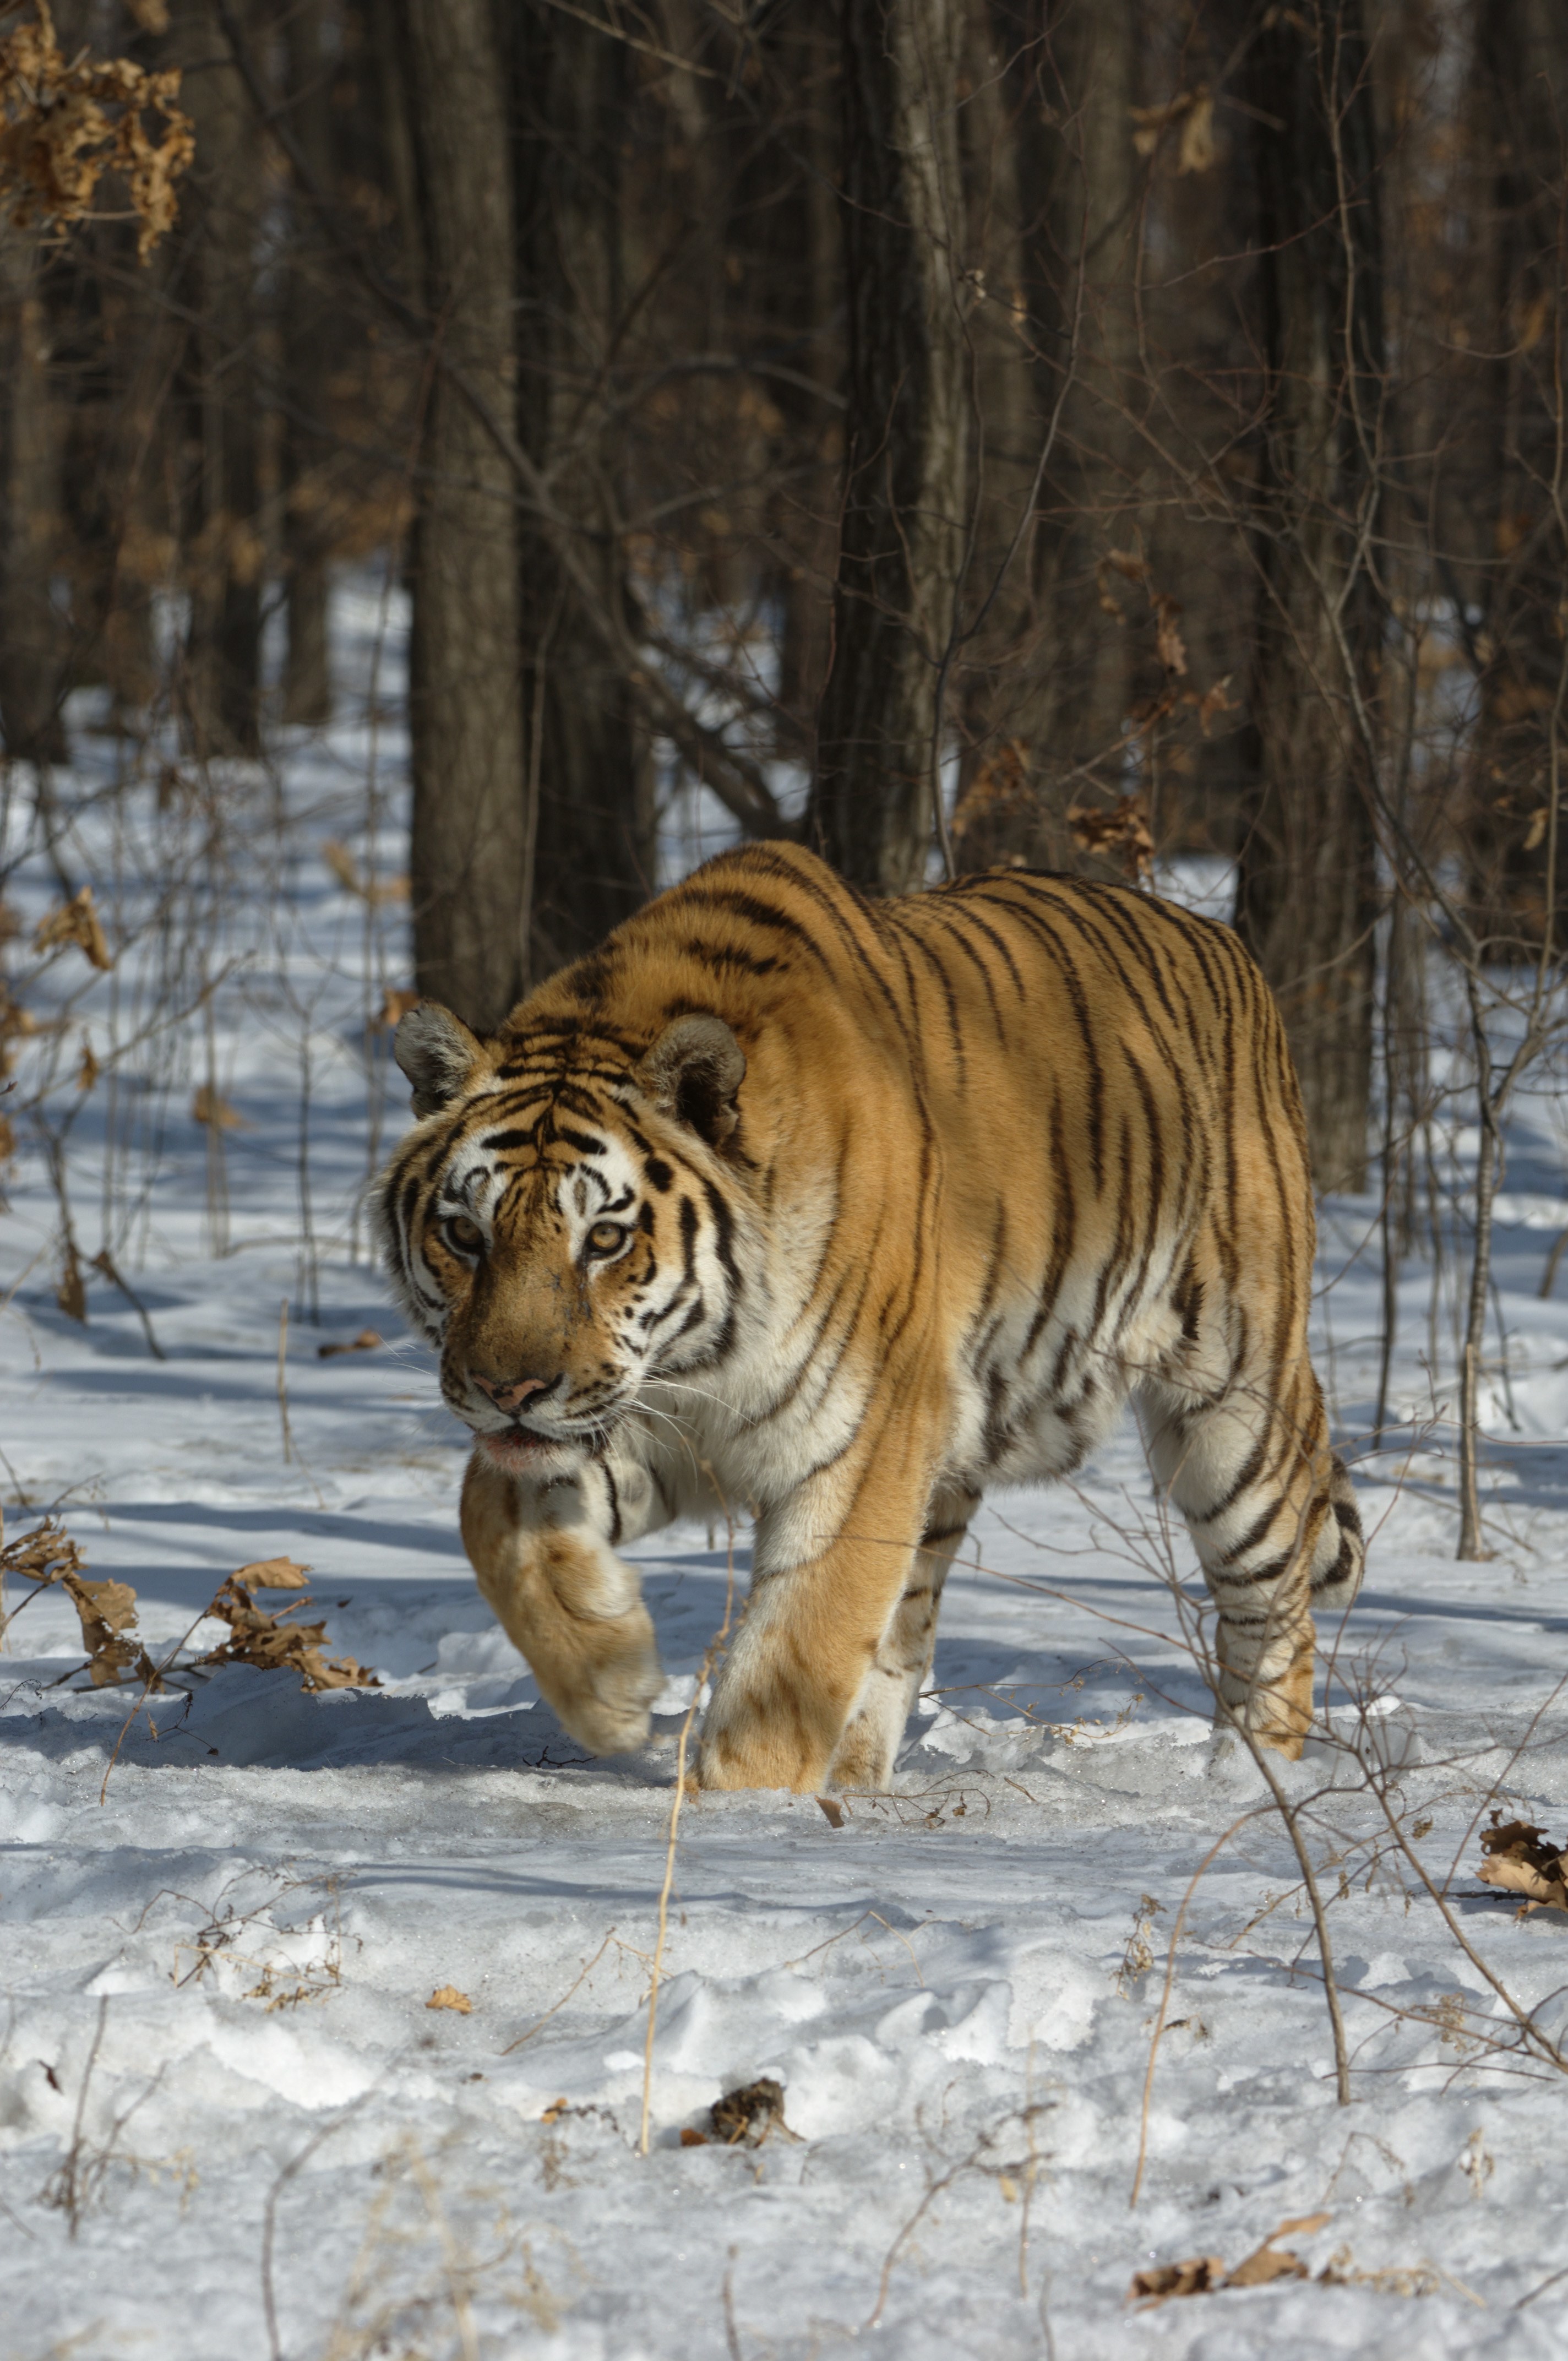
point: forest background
(952, 432)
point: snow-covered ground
(231, 2124)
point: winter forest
(462, 464)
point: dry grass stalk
(715, 1649)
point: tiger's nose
(513, 1396)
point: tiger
(838, 1213)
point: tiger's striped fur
(842, 1212)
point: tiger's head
(562, 1222)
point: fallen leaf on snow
(1522, 1858)
(1206, 2274)
(448, 1996)
(750, 2114)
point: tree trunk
(1520, 90)
(589, 760)
(32, 649)
(873, 805)
(469, 852)
(1047, 699)
(308, 316)
(1305, 893)
(226, 557)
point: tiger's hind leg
(1272, 1514)
(865, 1754)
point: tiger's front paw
(607, 1709)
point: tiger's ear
(438, 1054)
(693, 1072)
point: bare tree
(222, 688)
(1306, 899)
(588, 752)
(470, 849)
(903, 529)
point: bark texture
(307, 360)
(1305, 893)
(221, 689)
(32, 642)
(1054, 158)
(903, 528)
(588, 758)
(1520, 92)
(469, 852)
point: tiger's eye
(606, 1237)
(464, 1235)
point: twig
(714, 1647)
(1218, 1846)
(104, 1261)
(561, 2003)
(283, 1379)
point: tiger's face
(560, 1225)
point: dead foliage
(1522, 1858)
(1119, 834)
(66, 121)
(367, 1340)
(48, 1557)
(208, 1108)
(76, 922)
(259, 1639)
(1000, 790)
(448, 1996)
(396, 1004)
(346, 869)
(744, 2118)
(1206, 2274)
(72, 1292)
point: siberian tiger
(840, 1213)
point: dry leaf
(1271, 2262)
(448, 1996)
(206, 1107)
(1214, 700)
(1169, 642)
(1205, 2274)
(46, 1554)
(71, 1293)
(1128, 564)
(833, 1811)
(1521, 1859)
(1198, 2276)
(1536, 829)
(690, 2138)
(259, 1639)
(88, 1072)
(273, 1574)
(749, 2114)
(75, 921)
(1119, 834)
(365, 1342)
(1199, 151)
(66, 121)
(342, 863)
(395, 1006)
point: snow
(231, 2124)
